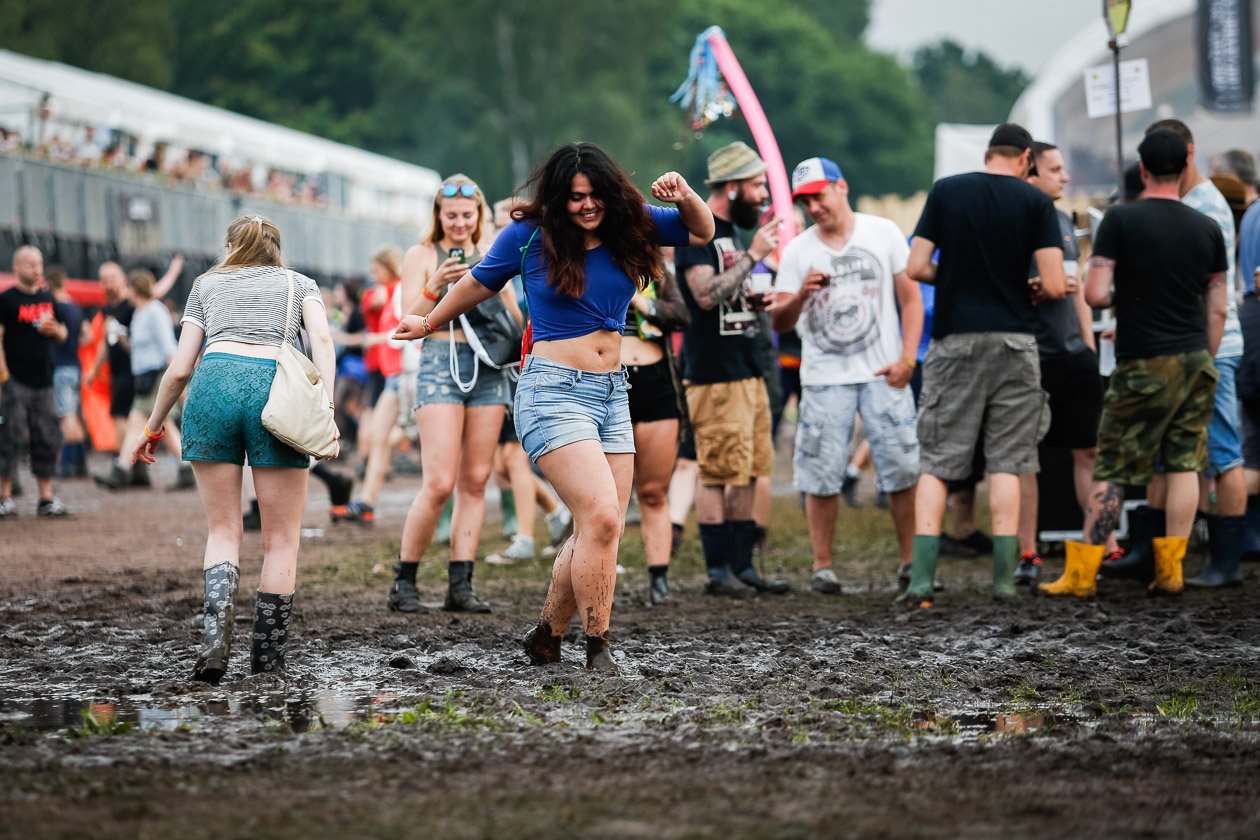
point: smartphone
(458, 253)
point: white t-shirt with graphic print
(850, 328)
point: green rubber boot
(924, 553)
(1005, 558)
(507, 501)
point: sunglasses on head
(466, 190)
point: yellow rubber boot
(1169, 552)
(1081, 572)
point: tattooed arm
(709, 289)
(1218, 308)
(669, 310)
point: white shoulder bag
(298, 411)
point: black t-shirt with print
(720, 344)
(1164, 252)
(28, 354)
(987, 228)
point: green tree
(131, 39)
(846, 20)
(965, 87)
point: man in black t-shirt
(116, 350)
(1168, 265)
(1069, 370)
(30, 328)
(726, 392)
(981, 377)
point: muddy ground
(796, 716)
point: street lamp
(1116, 15)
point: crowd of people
(579, 344)
(115, 151)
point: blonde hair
(141, 281)
(390, 259)
(255, 240)
(435, 233)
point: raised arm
(692, 210)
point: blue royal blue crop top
(555, 315)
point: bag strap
(288, 316)
(525, 250)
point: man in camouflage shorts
(1168, 265)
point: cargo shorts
(731, 423)
(982, 388)
(1156, 411)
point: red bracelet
(161, 433)
(429, 296)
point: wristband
(908, 362)
(161, 433)
(429, 295)
(424, 323)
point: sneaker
(520, 551)
(360, 512)
(848, 489)
(7, 507)
(559, 522)
(339, 488)
(1113, 556)
(52, 507)
(825, 582)
(404, 597)
(1029, 569)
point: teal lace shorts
(223, 414)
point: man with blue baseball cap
(841, 284)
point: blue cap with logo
(810, 176)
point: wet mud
(792, 716)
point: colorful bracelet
(429, 295)
(161, 433)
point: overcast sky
(1021, 33)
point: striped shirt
(247, 304)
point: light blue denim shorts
(826, 427)
(66, 390)
(436, 384)
(557, 405)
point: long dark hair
(627, 230)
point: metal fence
(83, 214)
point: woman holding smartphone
(459, 402)
(585, 241)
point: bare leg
(384, 420)
(929, 506)
(682, 490)
(901, 506)
(655, 446)
(962, 506)
(561, 604)
(1004, 503)
(220, 488)
(761, 500)
(1028, 503)
(440, 426)
(821, 512)
(281, 499)
(481, 431)
(1181, 502)
(596, 488)
(524, 491)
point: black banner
(1226, 62)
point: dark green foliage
(965, 87)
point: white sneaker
(52, 507)
(824, 580)
(521, 550)
(559, 522)
(7, 507)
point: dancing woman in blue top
(586, 241)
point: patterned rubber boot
(271, 632)
(219, 616)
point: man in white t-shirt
(840, 284)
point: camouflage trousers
(1156, 413)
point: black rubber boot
(251, 520)
(599, 654)
(1226, 535)
(271, 632)
(219, 616)
(541, 645)
(1145, 524)
(460, 596)
(184, 479)
(117, 478)
(743, 543)
(403, 595)
(140, 475)
(658, 584)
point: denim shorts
(436, 385)
(66, 390)
(557, 405)
(826, 427)
(223, 414)
(1225, 444)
